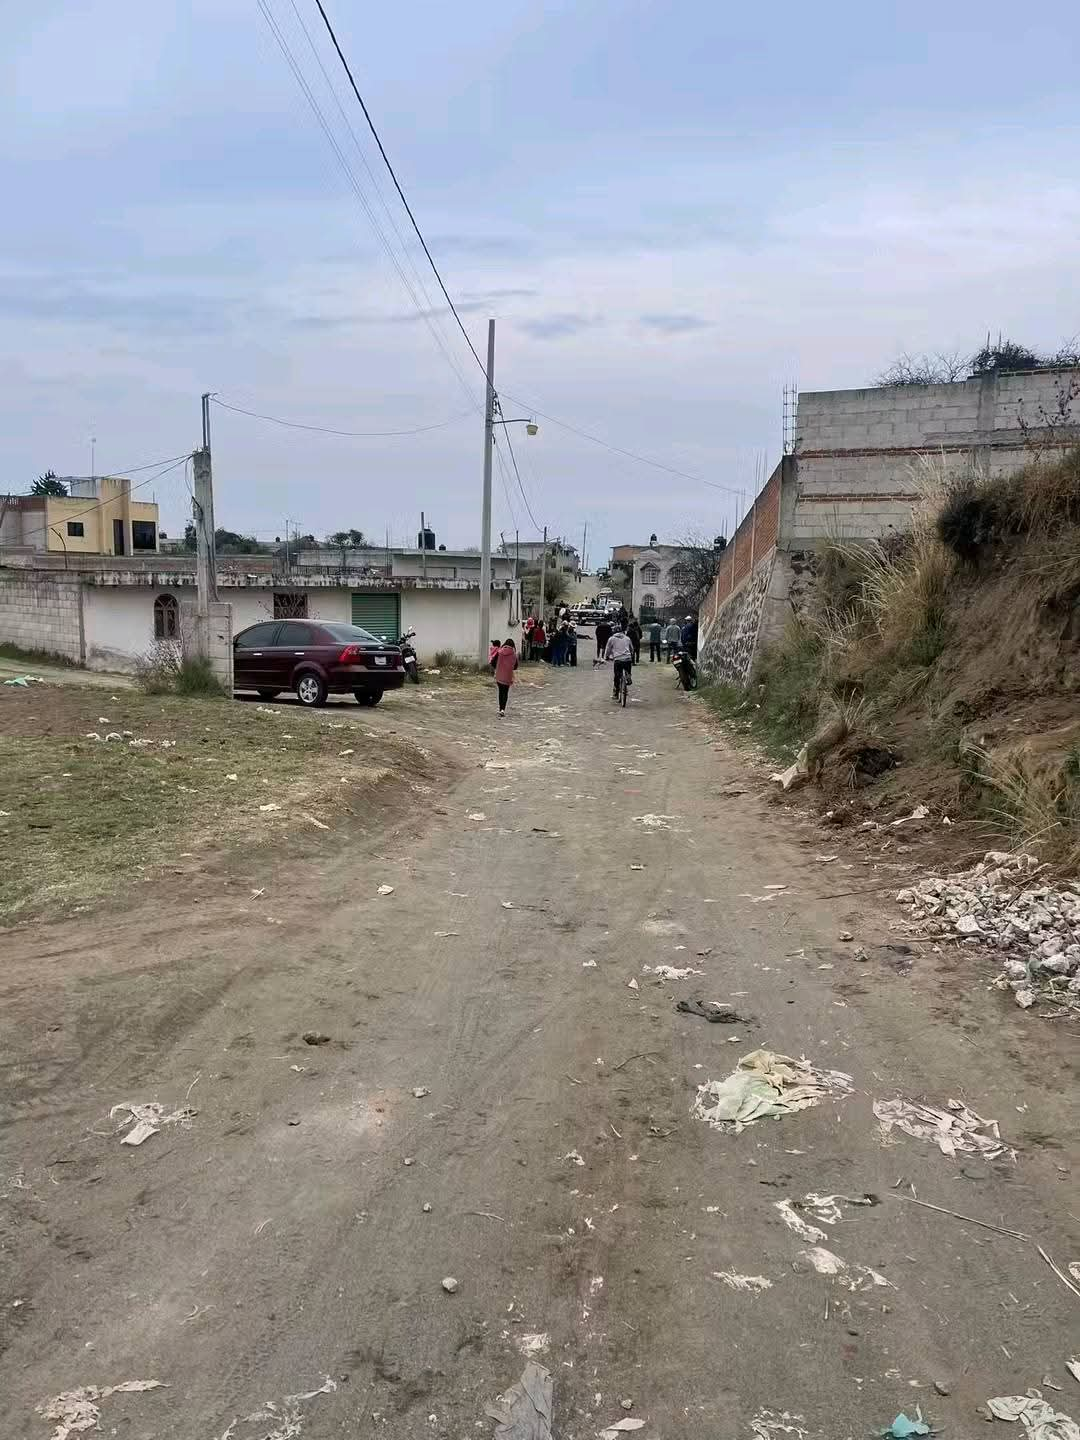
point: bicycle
(622, 688)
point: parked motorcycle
(408, 656)
(685, 669)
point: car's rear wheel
(311, 689)
(268, 694)
(368, 697)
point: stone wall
(726, 652)
(42, 612)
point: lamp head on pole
(531, 428)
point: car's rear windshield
(351, 634)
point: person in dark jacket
(633, 634)
(604, 633)
(689, 636)
(655, 629)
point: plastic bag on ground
(524, 1411)
(1039, 1419)
(765, 1084)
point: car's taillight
(350, 655)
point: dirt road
(277, 1260)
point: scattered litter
(795, 1222)
(524, 1411)
(852, 1276)
(232, 777)
(901, 1428)
(670, 972)
(273, 805)
(845, 935)
(954, 1129)
(825, 859)
(754, 1284)
(507, 904)
(633, 984)
(385, 890)
(282, 1416)
(765, 1084)
(574, 1156)
(78, 1410)
(1039, 1419)
(312, 821)
(444, 934)
(532, 1344)
(24, 680)
(476, 815)
(450, 1285)
(770, 1424)
(611, 1432)
(147, 1120)
(426, 1207)
(637, 867)
(711, 1010)
(419, 1091)
(655, 822)
(343, 753)
(758, 899)
(316, 1037)
(919, 813)
(588, 964)
(1073, 1367)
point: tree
(190, 539)
(947, 367)
(48, 484)
(556, 583)
(347, 539)
(691, 577)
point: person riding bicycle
(621, 651)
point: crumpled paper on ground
(765, 1084)
(78, 1410)
(524, 1411)
(149, 1119)
(1039, 1419)
(955, 1128)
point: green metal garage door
(381, 614)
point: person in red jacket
(505, 666)
(539, 640)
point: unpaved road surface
(273, 1261)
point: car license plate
(380, 659)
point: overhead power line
(348, 434)
(397, 185)
(619, 450)
(98, 504)
(517, 473)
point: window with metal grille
(166, 618)
(650, 574)
(290, 605)
(648, 602)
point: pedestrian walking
(505, 666)
(672, 637)
(527, 648)
(633, 634)
(604, 633)
(654, 629)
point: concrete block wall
(42, 613)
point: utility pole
(205, 558)
(517, 552)
(543, 575)
(423, 546)
(584, 537)
(485, 516)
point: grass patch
(982, 511)
(35, 657)
(86, 818)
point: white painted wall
(119, 620)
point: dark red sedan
(315, 658)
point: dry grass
(1037, 792)
(86, 818)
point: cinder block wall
(42, 613)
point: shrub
(195, 676)
(166, 670)
(444, 659)
(1039, 498)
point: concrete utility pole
(543, 575)
(485, 517)
(584, 537)
(423, 546)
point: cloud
(557, 327)
(675, 324)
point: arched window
(648, 602)
(166, 618)
(650, 574)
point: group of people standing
(672, 637)
(557, 645)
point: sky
(672, 210)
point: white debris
(770, 1424)
(419, 1091)
(278, 1419)
(795, 1222)
(655, 822)
(476, 815)
(232, 776)
(271, 806)
(954, 1129)
(611, 1432)
(530, 1345)
(765, 1084)
(670, 972)
(574, 1156)
(524, 1411)
(1039, 1419)
(149, 1118)
(851, 1276)
(1073, 1367)
(1001, 904)
(385, 890)
(919, 813)
(633, 984)
(754, 1284)
(450, 1285)
(78, 1410)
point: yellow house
(96, 517)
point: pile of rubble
(1001, 904)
